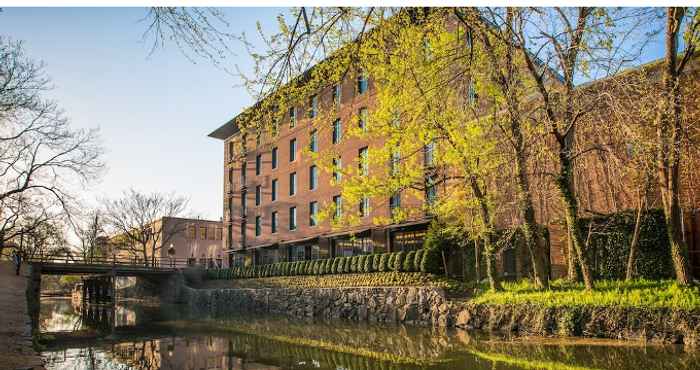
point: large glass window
(352, 246)
(292, 183)
(292, 150)
(292, 218)
(244, 169)
(395, 202)
(337, 131)
(338, 205)
(313, 177)
(292, 117)
(258, 164)
(362, 84)
(258, 195)
(364, 161)
(429, 154)
(274, 158)
(258, 225)
(337, 94)
(313, 106)
(244, 204)
(364, 207)
(273, 192)
(313, 213)
(273, 222)
(297, 253)
(269, 255)
(313, 141)
(362, 119)
(337, 167)
(407, 240)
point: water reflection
(169, 338)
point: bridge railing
(151, 262)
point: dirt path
(16, 351)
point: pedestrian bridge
(102, 266)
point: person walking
(17, 260)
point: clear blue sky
(153, 112)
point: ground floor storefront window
(352, 246)
(407, 240)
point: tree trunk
(632, 258)
(567, 192)
(489, 250)
(669, 119)
(477, 261)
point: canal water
(147, 336)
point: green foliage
(637, 293)
(398, 261)
(418, 259)
(354, 260)
(369, 263)
(375, 261)
(408, 263)
(383, 260)
(610, 241)
(432, 261)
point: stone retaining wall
(428, 306)
(412, 305)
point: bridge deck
(123, 267)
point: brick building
(272, 191)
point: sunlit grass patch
(637, 293)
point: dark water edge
(132, 335)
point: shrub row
(415, 261)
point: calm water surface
(138, 336)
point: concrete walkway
(16, 351)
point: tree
(138, 217)
(89, 231)
(42, 159)
(671, 129)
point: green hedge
(428, 261)
(610, 241)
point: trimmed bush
(375, 261)
(369, 263)
(408, 263)
(383, 260)
(432, 261)
(398, 261)
(348, 265)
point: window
(191, 232)
(230, 176)
(275, 127)
(313, 177)
(472, 96)
(337, 92)
(364, 207)
(292, 117)
(231, 150)
(243, 230)
(361, 83)
(363, 162)
(429, 154)
(244, 205)
(337, 131)
(258, 140)
(362, 119)
(292, 183)
(297, 253)
(337, 167)
(394, 163)
(292, 218)
(395, 202)
(292, 150)
(211, 233)
(313, 213)
(274, 158)
(313, 106)
(258, 195)
(244, 169)
(230, 208)
(313, 141)
(202, 233)
(273, 222)
(258, 225)
(430, 190)
(273, 192)
(258, 164)
(338, 205)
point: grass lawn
(636, 293)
